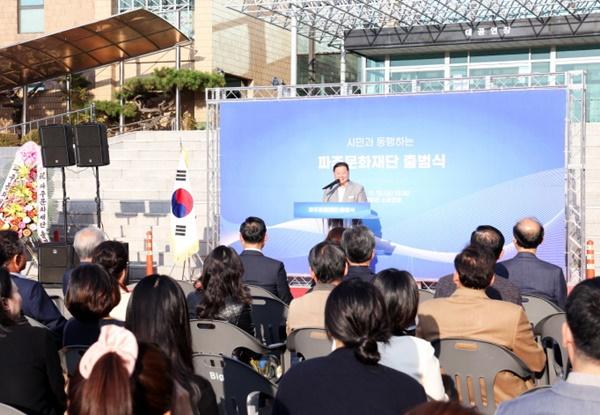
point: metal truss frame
(573, 82)
(326, 21)
(177, 12)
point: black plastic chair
(70, 357)
(306, 343)
(236, 385)
(537, 308)
(269, 316)
(472, 365)
(9, 410)
(549, 331)
(257, 291)
(425, 295)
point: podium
(333, 210)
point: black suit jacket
(38, 305)
(501, 289)
(340, 384)
(267, 273)
(361, 272)
(534, 276)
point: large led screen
(434, 167)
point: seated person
(358, 243)
(403, 352)
(85, 241)
(222, 295)
(91, 296)
(32, 379)
(580, 393)
(113, 257)
(349, 380)
(327, 268)
(37, 304)
(470, 313)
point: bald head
(86, 240)
(528, 233)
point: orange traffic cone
(590, 266)
(149, 255)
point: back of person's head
(528, 233)
(12, 244)
(102, 385)
(221, 279)
(475, 267)
(153, 383)
(253, 230)
(327, 261)
(583, 318)
(355, 315)
(335, 235)
(157, 313)
(401, 296)
(112, 256)
(92, 293)
(6, 294)
(442, 408)
(358, 243)
(490, 238)
(86, 240)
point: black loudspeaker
(92, 145)
(54, 258)
(57, 145)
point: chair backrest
(309, 343)
(34, 323)
(70, 357)
(549, 330)
(9, 410)
(234, 382)
(425, 295)
(221, 337)
(537, 308)
(269, 316)
(473, 365)
(257, 291)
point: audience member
(32, 379)
(327, 268)
(116, 376)
(358, 243)
(36, 302)
(157, 314)
(222, 295)
(349, 380)
(500, 289)
(113, 257)
(335, 235)
(91, 296)
(580, 393)
(442, 408)
(259, 269)
(403, 352)
(85, 241)
(530, 274)
(470, 313)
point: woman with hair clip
(32, 379)
(157, 314)
(349, 380)
(113, 257)
(118, 377)
(223, 295)
(405, 352)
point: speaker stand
(98, 202)
(65, 199)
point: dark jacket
(267, 273)
(362, 272)
(501, 289)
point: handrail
(71, 117)
(153, 123)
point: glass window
(31, 16)
(540, 54)
(378, 62)
(592, 87)
(417, 60)
(500, 56)
(375, 76)
(577, 52)
(422, 77)
(459, 57)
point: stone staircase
(135, 190)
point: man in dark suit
(261, 270)
(358, 243)
(530, 274)
(36, 302)
(500, 289)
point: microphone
(333, 183)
